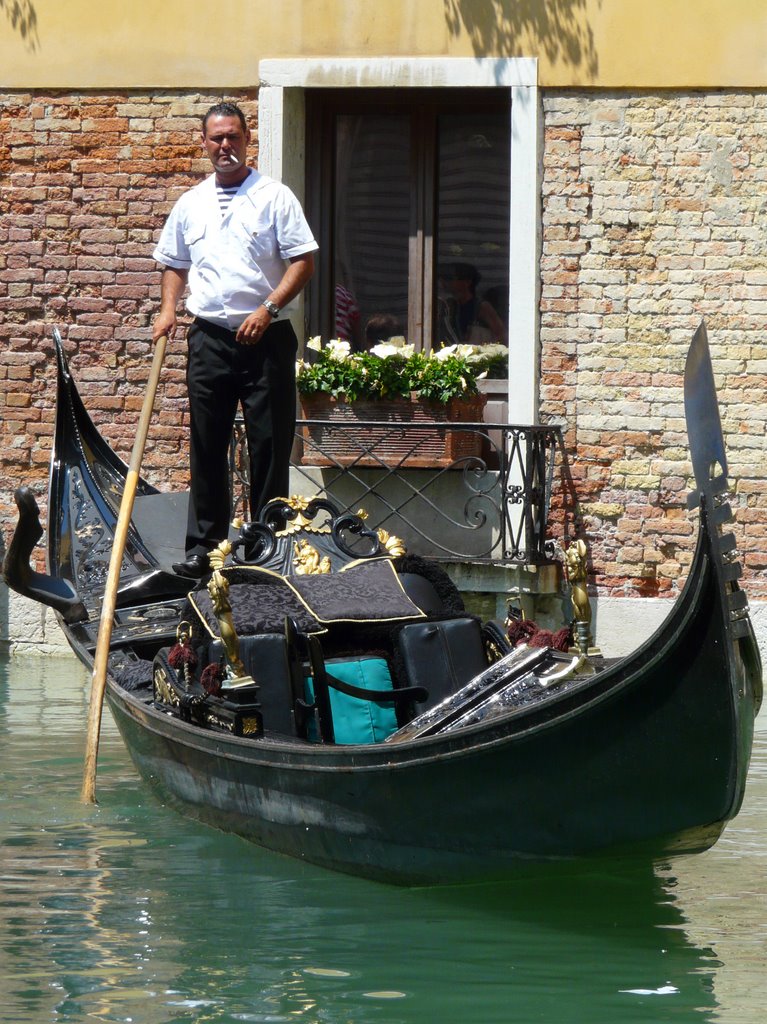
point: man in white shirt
(240, 242)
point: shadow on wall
(22, 16)
(503, 27)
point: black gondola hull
(633, 763)
(646, 758)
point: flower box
(402, 438)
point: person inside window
(381, 327)
(465, 317)
(347, 316)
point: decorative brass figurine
(576, 572)
(575, 567)
(218, 588)
(163, 691)
(307, 560)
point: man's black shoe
(194, 567)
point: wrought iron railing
(454, 491)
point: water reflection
(722, 896)
(128, 912)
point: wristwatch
(271, 308)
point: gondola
(260, 708)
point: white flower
(459, 351)
(315, 343)
(398, 341)
(444, 353)
(385, 349)
(491, 351)
(300, 364)
(338, 350)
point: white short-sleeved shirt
(235, 261)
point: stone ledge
(28, 628)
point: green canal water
(128, 912)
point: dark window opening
(409, 193)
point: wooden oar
(113, 578)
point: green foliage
(497, 363)
(393, 370)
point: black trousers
(222, 374)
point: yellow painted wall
(178, 44)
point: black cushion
(266, 659)
(442, 656)
(257, 607)
(422, 592)
(365, 591)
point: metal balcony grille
(454, 491)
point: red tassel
(563, 639)
(525, 631)
(211, 679)
(542, 638)
(182, 654)
(519, 631)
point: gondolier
(241, 244)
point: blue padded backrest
(356, 720)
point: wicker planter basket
(397, 442)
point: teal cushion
(356, 720)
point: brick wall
(654, 216)
(85, 184)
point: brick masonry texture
(86, 182)
(653, 216)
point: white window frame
(282, 155)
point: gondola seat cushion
(258, 607)
(364, 591)
(356, 720)
(260, 601)
(265, 658)
(442, 656)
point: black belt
(220, 333)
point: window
(408, 191)
(290, 150)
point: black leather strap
(398, 696)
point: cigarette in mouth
(232, 159)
